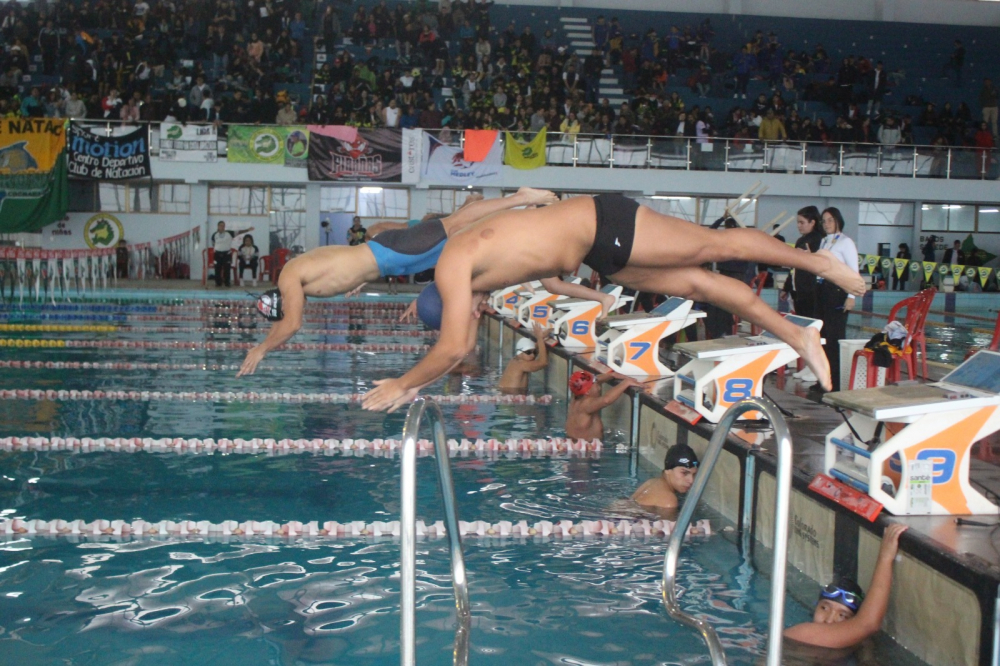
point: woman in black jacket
(802, 285)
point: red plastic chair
(917, 307)
(208, 260)
(757, 284)
(278, 260)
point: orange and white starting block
(504, 301)
(575, 320)
(914, 440)
(535, 307)
(631, 343)
(726, 370)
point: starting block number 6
(736, 390)
(580, 328)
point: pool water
(255, 600)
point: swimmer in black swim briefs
(665, 257)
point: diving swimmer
(629, 244)
(337, 269)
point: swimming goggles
(834, 593)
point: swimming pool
(228, 599)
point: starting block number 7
(639, 348)
(736, 390)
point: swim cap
(580, 382)
(844, 591)
(429, 307)
(525, 345)
(269, 305)
(680, 455)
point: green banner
(253, 144)
(31, 200)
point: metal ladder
(782, 501)
(408, 534)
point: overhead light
(660, 197)
(925, 208)
(371, 190)
(989, 210)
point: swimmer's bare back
(334, 269)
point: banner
(108, 157)
(956, 272)
(373, 155)
(984, 275)
(928, 270)
(188, 143)
(413, 144)
(444, 164)
(33, 183)
(479, 144)
(525, 155)
(253, 144)
(900, 267)
(871, 261)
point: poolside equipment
(574, 321)
(908, 446)
(726, 370)
(630, 344)
(534, 308)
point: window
(337, 199)
(988, 219)
(288, 198)
(140, 198)
(237, 200)
(383, 202)
(446, 202)
(686, 208)
(711, 210)
(132, 197)
(174, 197)
(112, 198)
(885, 213)
(948, 217)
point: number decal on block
(737, 389)
(580, 328)
(540, 312)
(511, 299)
(640, 348)
(944, 461)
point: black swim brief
(615, 233)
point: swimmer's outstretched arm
(293, 301)
(868, 620)
(459, 320)
(477, 210)
(563, 288)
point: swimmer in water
(338, 269)
(631, 245)
(844, 616)
(532, 356)
(659, 494)
(583, 417)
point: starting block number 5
(736, 390)
(540, 312)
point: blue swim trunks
(410, 250)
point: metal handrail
(782, 502)
(408, 534)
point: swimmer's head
(679, 467)
(269, 305)
(526, 346)
(580, 383)
(430, 307)
(838, 601)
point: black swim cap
(680, 455)
(269, 305)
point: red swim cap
(580, 382)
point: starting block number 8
(736, 390)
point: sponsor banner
(374, 155)
(444, 164)
(413, 144)
(525, 155)
(30, 145)
(901, 265)
(117, 157)
(188, 143)
(253, 144)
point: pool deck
(943, 607)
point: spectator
(888, 133)
(286, 115)
(955, 63)
(771, 128)
(876, 87)
(954, 254)
(75, 108)
(988, 102)
(984, 141)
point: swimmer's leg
(662, 241)
(736, 297)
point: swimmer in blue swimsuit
(339, 269)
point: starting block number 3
(736, 390)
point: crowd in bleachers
(452, 64)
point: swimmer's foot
(844, 276)
(811, 351)
(607, 302)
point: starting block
(533, 307)
(575, 322)
(907, 446)
(726, 370)
(504, 301)
(631, 343)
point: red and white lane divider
(115, 319)
(252, 396)
(408, 333)
(140, 529)
(77, 365)
(235, 346)
(181, 445)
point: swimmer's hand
(890, 541)
(357, 290)
(410, 313)
(253, 359)
(533, 197)
(388, 396)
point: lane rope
(140, 529)
(125, 328)
(181, 445)
(211, 345)
(124, 319)
(252, 396)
